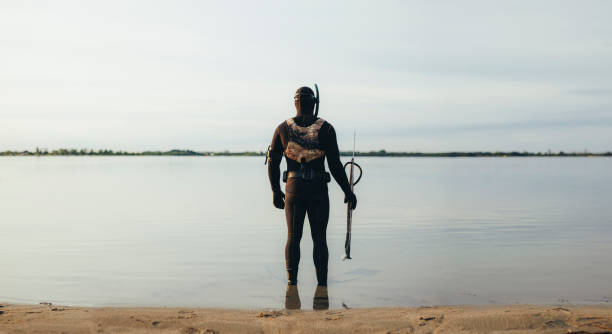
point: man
(306, 141)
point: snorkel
(316, 101)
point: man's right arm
(337, 170)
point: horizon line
(374, 153)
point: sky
(405, 75)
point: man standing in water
(306, 141)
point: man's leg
(318, 216)
(295, 212)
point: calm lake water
(202, 231)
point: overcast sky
(407, 75)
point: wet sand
(441, 319)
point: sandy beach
(438, 319)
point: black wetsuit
(306, 197)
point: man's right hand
(352, 199)
(279, 200)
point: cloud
(488, 127)
(595, 92)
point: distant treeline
(380, 153)
(72, 151)
(383, 153)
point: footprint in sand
(407, 330)
(425, 320)
(335, 316)
(185, 314)
(556, 324)
(272, 314)
(191, 330)
(598, 323)
(136, 319)
(561, 309)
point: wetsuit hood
(305, 101)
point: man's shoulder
(282, 125)
(326, 126)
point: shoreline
(380, 153)
(565, 318)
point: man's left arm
(275, 155)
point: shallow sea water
(202, 231)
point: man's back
(306, 142)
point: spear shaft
(349, 210)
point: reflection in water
(320, 300)
(292, 298)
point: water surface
(202, 231)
